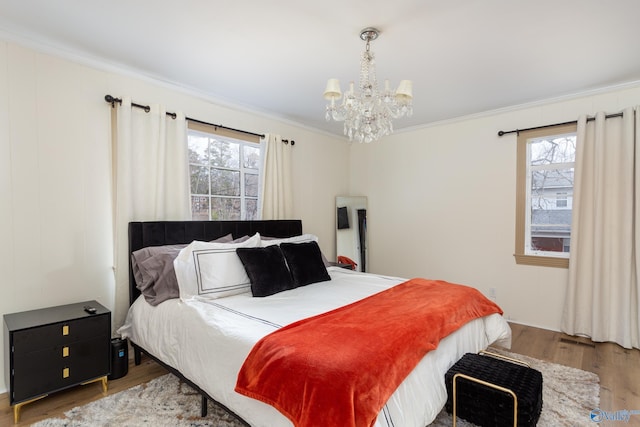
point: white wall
(55, 175)
(442, 204)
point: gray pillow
(154, 273)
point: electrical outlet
(492, 293)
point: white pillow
(212, 270)
(303, 238)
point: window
(224, 168)
(544, 195)
(561, 200)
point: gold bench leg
(487, 384)
(18, 406)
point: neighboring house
(551, 211)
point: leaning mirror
(351, 232)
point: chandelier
(368, 113)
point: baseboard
(533, 326)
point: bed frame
(158, 233)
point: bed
(206, 341)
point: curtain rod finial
(111, 100)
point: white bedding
(208, 340)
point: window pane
(200, 208)
(550, 244)
(251, 157)
(550, 224)
(251, 185)
(225, 172)
(198, 149)
(551, 209)
(225, 153)
(547, 184)
(559, 149)
(225, 182)
(224, 208)
(251, 206)
(199, 179)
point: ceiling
(464, 57)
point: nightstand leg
(104, 381)
(18, 406)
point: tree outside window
(224, 177)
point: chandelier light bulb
(368, 112)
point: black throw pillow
(266, 269)
(305, 263)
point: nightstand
(55, 348)
(341, 265)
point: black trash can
(119, 358)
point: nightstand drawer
(63, 333)
(42, 372)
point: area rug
(569, 395)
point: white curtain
(277, 194)
(602, 296)
(151, 180)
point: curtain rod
(111, 100)
(573, 122)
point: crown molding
(37, 44)
(32, 41)
(519, 107)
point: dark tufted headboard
(158, 233)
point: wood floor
(618, 368)
(58, 403)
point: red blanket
(339, 368)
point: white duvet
(208, 340)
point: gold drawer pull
(65, 330)
(65, 373)
(65, 351)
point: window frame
(245, 139)
(521, 257)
